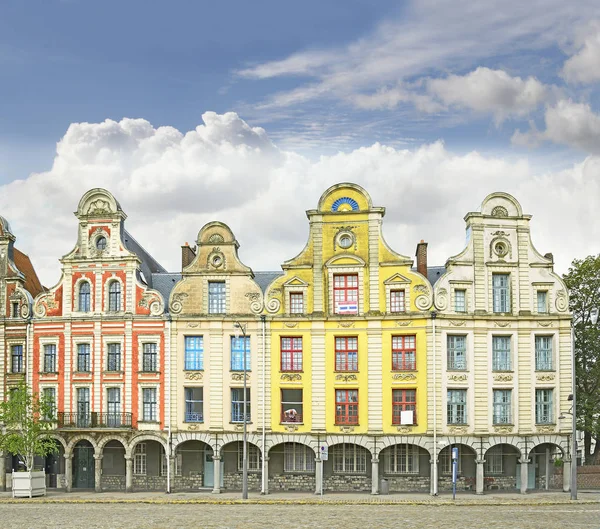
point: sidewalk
(463, 498)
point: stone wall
(292, 482)
(588, 477)
(462, 483)
(347, 483)
(500, 483)
(407, 483)
(189, 482)
(156, 483)
(233, 481)
(112, 482)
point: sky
(245, 112)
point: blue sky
(457, 91)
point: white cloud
(584, 66)
(170, 184)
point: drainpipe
(168, 401)
(264, 409)
(434, 490)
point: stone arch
(489, 442)
(360, 440)
(105, 440)
(82, 437)
(281, 438)
(60, 439)
(183, 437)
(501, 204)
(556, 440)
(228, 438)
(97, 201)
(145, 437)
(346, 193)
(389, 440)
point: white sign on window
(406, 417)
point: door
(209, 471)
(114, 407)
(83, 466)
(83, 407)
(52, 469)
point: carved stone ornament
(503, 378)
(216, 238)
(503, 429)
(441, 299)
(405, 429)
(499, 211)
(255, 301)
(458, 429)
(216, 260)
(545, 378)
(346, 378)
(238, 427)
(99, 207)
(420, 288)
(404, 323)
(561, 302)
(550, 428)
(458, 323)
(193, 427)
(291, 428)
(346, 429)
(291, 377)
(239, 377)
(458, 378)
(193, 325)
(346, 324)
(545, 324)
(404, 377)
(291, 324)
(502, 324)
(194, 375)
(177, 303)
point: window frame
(345, 293)
(149, 407)
(217, 298)
(50, 358)
(287, 405)
(460, 308)
(501, 357)
(397, 305)
(453, 353)
(237, 353)
(84, 357)
(298, 458)
(295, 307)
(346, 355)
(401, 401)
(193, 353)
(237, 405)
(17, 358)
(453, 407)
(190, 415)
(544, 357)
(254, 457)
(501, 297)
(149, 357)
(501, 409)
(140, 459)
(51, 401)
(294, 352)
(115, 298)
(544, 405)
(349, 458)
(544, 306)
(401, 351)
(83, 307)
(115, 356)
(402, 459)
(347, 410)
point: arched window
(84, 297)
(114, 297)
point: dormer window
(296, 303)
(114, 296)
(101, 243)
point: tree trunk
(587, 443)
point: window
(114, 296)
(502, 406)
(139, 459)
(149, 404)
(113, 399)
(291, 405)
(543, 353)
(460, 302)
(446, 460)
(239, 346)
(402, 459)
(493, 460)
(15, 309)
(298, 458)
(83, 358)
(403, 353)
(101, 243)
(194, 405)
(543, 406)
(16, 354)
(345, 294)
(237, 405)
(194, 353)
(346, 406)
(216, 297)
(457, 406)
(397, 301)
(49, 399)
(404, 400)
(349, 459)
(291, 354)
(296, 303)
(149, 357)
(542, 301)
(457, 352)
(254, 458)
(501, 360)
(346, 354)
(113, 360)
(501, 293)
(84, 297)
(164, 461)
(83, 407)
(50, 358)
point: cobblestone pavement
(256, 516)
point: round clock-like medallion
(217, 261)
(501, 249)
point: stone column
(479, 476)
(374, 476)
(524, 474)
(266, 471)
(566, 474)
(2, 471)
(433, 485)
(216, 474)
(69, 471)
(318, 474)
(98, 472)
(171, 477)
(128, 474)
(547, 470)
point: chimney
(422, 258)
(187, 255)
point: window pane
(457, 352)
(543, 353)
(501, 298)
(501, 360)
(238, 347)
(194, 353)
(459, 301)
(216, 297)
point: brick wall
(588, 477)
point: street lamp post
(241, 329)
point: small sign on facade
(324, 453)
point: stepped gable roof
(32, 282)
(264, 279)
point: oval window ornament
(345, 241)
(101, 243)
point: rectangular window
(501, 292)
(457, 352)
(404, 406)
(542, 301)
(83, 407)
(49, 398)
(402, 459)
(397, 301)
(296, 303)
(291, 405)
(403, 353)
(149, 357)
(113, 360)
(501, 360)
(216, 297)
(84, 297)
(194, 353)
(239, 346)
(502, 406)
(16, 354)
(194, 404)
(298, 458)
(50, 358)
(460, 302)
(291, 354)
(15, 309)
(139, 459)
(543, 353)
(346, 354)
(543, 406)
(345, 294)
(164, 461)
(457, 406)
(254, 457)
(493, 462)
(237, 405)
(349, 459)
(446, 460)
(346, 406)
(149, 404)
(84, 363)
(113, 400)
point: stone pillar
(547, 470)
(98, 472)
(266, 476)
(69, 471)
(566, 474)
(216, 474)
(479, 476)
(318, 474)
(374, 476)
(128, 474)
(433, 478)
(171, 477)
(2, 471)
(524, 474)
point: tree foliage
(583, 281)
(25, 425)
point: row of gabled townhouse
(348, 350)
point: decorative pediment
(345, 260)
(295, 282)
(397, 279)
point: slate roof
(24, 265)
(264, 279)
(164, 283)
(149, 265)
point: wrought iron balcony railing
(93, 420)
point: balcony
(291, 416)
(93, 420)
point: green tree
(26, 420)
(583, 281)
